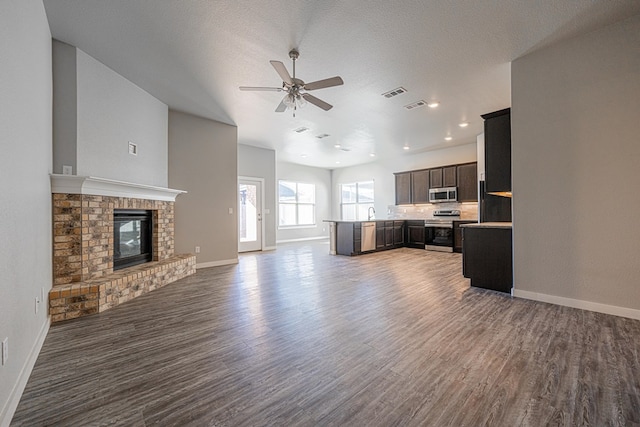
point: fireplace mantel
(74, 184)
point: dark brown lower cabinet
(415, 234)
(457, 235)
(487, 257)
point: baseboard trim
(14, 397)
(217, 263)
(581, 304)
(304, 239)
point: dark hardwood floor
(296, 337)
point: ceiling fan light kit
(297, 96)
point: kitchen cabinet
(398, 234)
(486, 256)
(467, 177)
(442, 177)
(403, 188)
(384, 235)
(420, 186)
(348, 238)
(449, 176)
(457, 234)
(415, 234)
(497, 151)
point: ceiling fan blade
(281, 107)
(282, 71)
(274, 89)
(320, 84)
(317, 102)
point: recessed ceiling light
(463, 124)
(448, 138)
(338, 162)
(433, 104)
(372, 154)
(303, 155)
(406, 147)
(337, 145)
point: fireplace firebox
(132, 237)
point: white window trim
(314, 204)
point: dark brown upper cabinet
(435, 178)
(403, 188)
(449, 176)
(497, 151)
(420, 186)
(467, 182)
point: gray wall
(575, 171)
(258, 162)
(110, 111)
(322, 180)
(203, 161)
(381, 171)
(25, 199)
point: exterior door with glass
(249, 215)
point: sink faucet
(371, 215)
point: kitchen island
(358, 237)
(487, 255)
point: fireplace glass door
(132, 231)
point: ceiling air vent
(322, 135)
(394, 92)
(416, 104)
(301, 129)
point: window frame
(297, 204)
(357, 203)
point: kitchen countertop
(488, 225)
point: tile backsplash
(468, 211)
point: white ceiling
(194, 54)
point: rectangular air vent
(301, 129)
(416, 104)
(394, 92)
(322, 135)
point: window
(297, 203)
(355, 200)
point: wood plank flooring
(296, 337)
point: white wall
(382, 170)
(576, 176)
(25, 199)
(110, 112)
(321, 178)
(258, 162)
(203, 161)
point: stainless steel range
(439, 230)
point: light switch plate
(133, 148)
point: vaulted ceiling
(194, 54)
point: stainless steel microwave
(440, 195)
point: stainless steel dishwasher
(368, 242)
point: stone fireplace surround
(84, 280)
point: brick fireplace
(83, 245)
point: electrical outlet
(67, 170)
(5, 350)
(230, 211)
(197, 249)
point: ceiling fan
(297, 96)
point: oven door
(439, 238)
